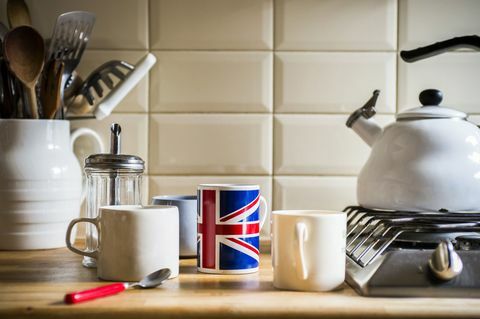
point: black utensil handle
(469, 41)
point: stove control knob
(445, 263)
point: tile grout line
(396, 58)
(251, 175)
(272, 199)
(149, 98)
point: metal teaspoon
(150, 281)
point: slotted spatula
(70, 37)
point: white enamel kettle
(428, 160)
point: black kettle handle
(469, 41)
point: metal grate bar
(370, 232)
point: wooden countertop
(32, 284)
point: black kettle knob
(431, 97)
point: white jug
(40, 182)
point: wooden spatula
(18, 14)
(51, 88)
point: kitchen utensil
(308, 249)
(118, 93)
(24, 51)
(187, 209)
(18, 96)
(18, 14)
(133, 241)
(40, 182)
(229, 224)
(78, 107)
(72, 88)
(111, 179)
(152, 280)
(3, 32)
(11, 92)
(119, 77)
(69, 40)
(6, 107)
(445, 262)
(5, 103)
(103, 75)
(51, 87)
(75, 102)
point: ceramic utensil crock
(133, 241)
(308, 249)
(40, 182)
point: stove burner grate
(370, 232)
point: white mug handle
(264, 209)
(92, 254)
(301, 235)
(84, 131)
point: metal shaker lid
(114, 160)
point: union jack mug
(229, 223)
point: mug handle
(264, 209)
(301, 234)
(92, 254)
(84, 131)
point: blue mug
(187, 213)
(229, 224)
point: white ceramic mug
(308, 249)
(40, 182)
(133, 241)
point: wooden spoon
(18, 14)
(51, 88)
(24, 50)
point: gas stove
(413, 254)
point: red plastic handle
(94, 293)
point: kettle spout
(361, 121)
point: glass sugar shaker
(112, 179)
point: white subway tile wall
(425, 21)
(212, 82)
(313, 192)
(331, 25)
(211, 24)
(258, 91)
(333, 82)
(211, 144)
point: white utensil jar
(40, 182)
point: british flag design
(228, 230)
